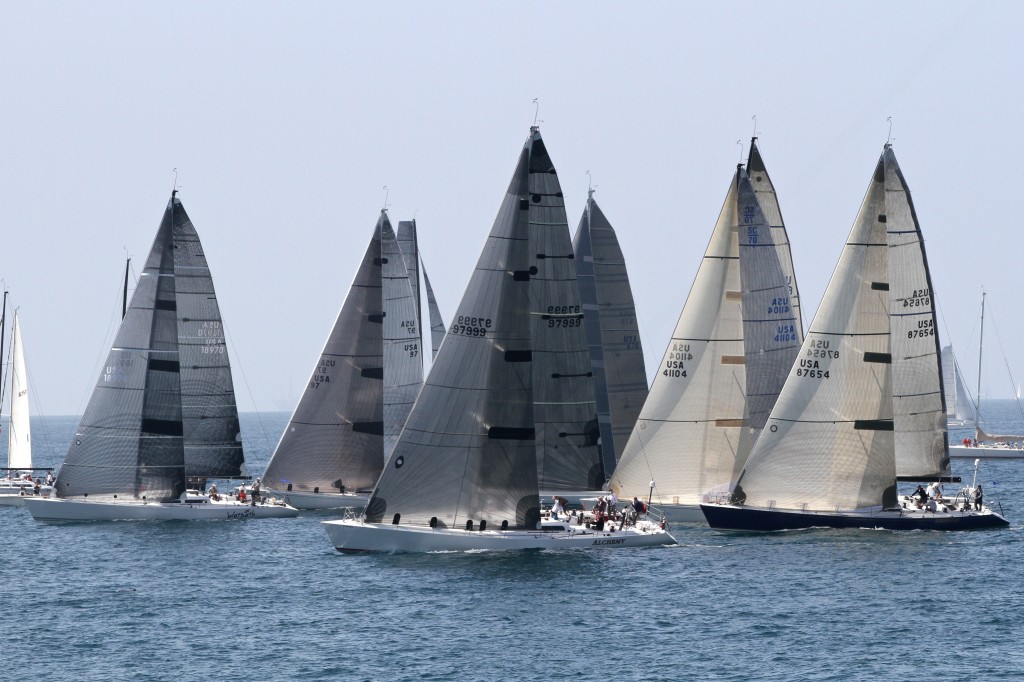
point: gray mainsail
(338, 432)
(568, 457)
(724, 366)
(436, 321)
(865, 398)
(409, 243)
(613, 335)
(130, 440)
(468, 451)
(213, 442)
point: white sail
(865, 394)
(959, 408)
(724, 367)
(19, 440)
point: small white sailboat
(864, 402)
(14, 487)
(985, 445)
(163, 408)
(464, 475)
(737, 336)
(361, 390)
(613, 335)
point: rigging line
(252, 399)
(740, 143)
(755, 125)
(536, 110)
(1006, 362)
(387, 192)
(889, 139)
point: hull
(729, 517)
(84, 510)
(308, 500)
(12, 499)
(683, 514)
(985, 452)
(350, 535)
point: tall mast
(981, 346)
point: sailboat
(465, 473)
(865, 398)
(361, 390)
(610, 322)
(19, 438)
(163, 408)
(736, 338)
(959, 409)
(986, 445)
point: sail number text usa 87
(471, 326)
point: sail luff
(19, 437)
(613, 334)
(468, 451)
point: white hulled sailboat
(465, 472)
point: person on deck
(613, 501)
(255, 492)
(978, 498)
(639, 506)
(557, 506)
(214, 495)
(920, 496)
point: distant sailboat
(987, 445)
(959, 409)
(865, 399)
(163, 408)
(363, 385)
(609, 318)
(737, 336)
(465, 474)
(19, 437)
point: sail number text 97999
(470, 326)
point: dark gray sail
(436, 321)
(609, 317)
(568, 456)
(213, 442)
(468, 450)
(130, 441)
(336, 434)
(409, 243)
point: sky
(286, 121)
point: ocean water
(272, 600)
